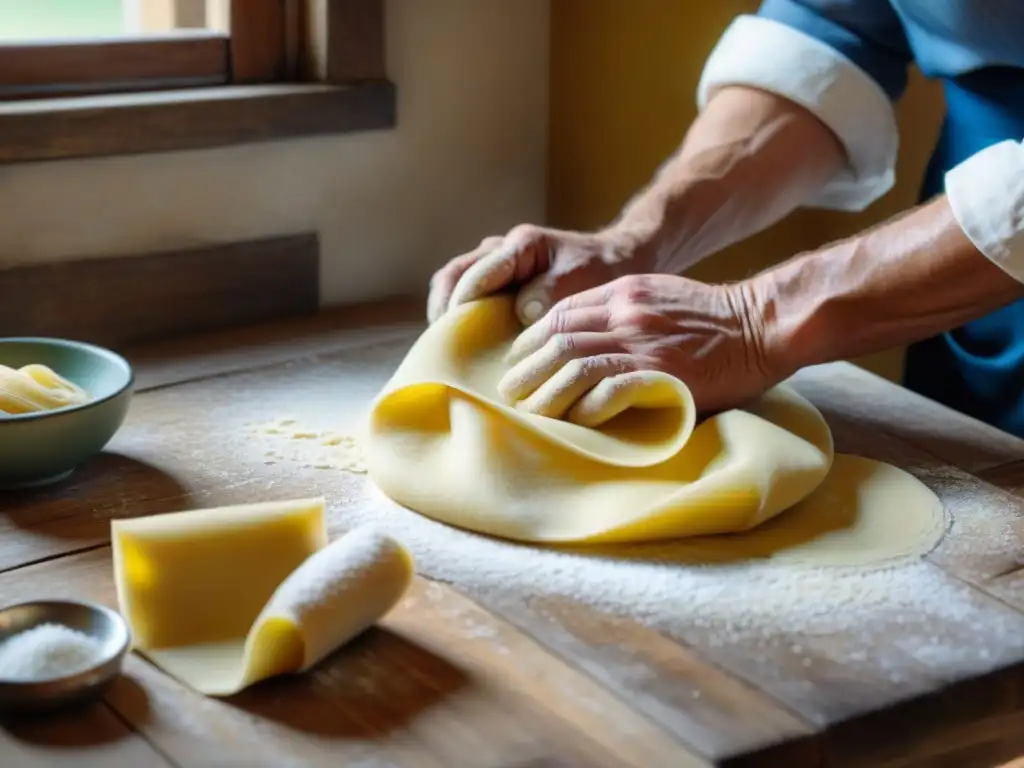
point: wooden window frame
(287, 68)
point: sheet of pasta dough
(222, 598)
(441, 442)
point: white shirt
(985, 191)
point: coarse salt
(47, 651)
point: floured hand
(544, 265)
(576, 361)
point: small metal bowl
(105, 625)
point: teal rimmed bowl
(45, 447)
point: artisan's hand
(747, 161)
(712, 337)
(544, 264)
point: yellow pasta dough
(441, 442)
(34, 388)
(222, 598)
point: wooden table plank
(168, 430)
(985, 546)
(978, 722)
(75, 516)
(165, 441)
(876, 403)
(165, 458)
(722, 717)
(93, 737)
(472, 634)
(933, 734)
(1009, 477)
(829, 681)
(217, 353)
(855, 687)
(880, 407)
(841, 685)
(439, 682)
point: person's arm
(928, 271)
(796, 109)
(932, 269)
(749, 159)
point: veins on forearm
(747, 162)
(905, 280)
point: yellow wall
(467, 159)
(623, 82)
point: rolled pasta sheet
(334, 596)
(223, 598)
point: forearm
(903, 281)
(749, 159)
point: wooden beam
(257, 31)
(97, 126)
(144, 63)
(294, 15)
(127, 299)
(343, 41)
(133, 96)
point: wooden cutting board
(464, 676)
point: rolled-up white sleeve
(772, 56)
(986, 193)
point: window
(97, 77)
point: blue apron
(977, 369)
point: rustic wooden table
(514, 680)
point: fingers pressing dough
(627, 462)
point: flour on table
(311, 448)
(753, 612)
(770, 605)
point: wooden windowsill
(164, 121)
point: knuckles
(632, 289)
(562, 344)
(579, 367)
(455, 267)
(525, 235)
(631, 302)
(631, 316)
(557, 321)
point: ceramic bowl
(45, 447)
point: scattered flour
(861, 624)
(311, 449)
(47, 651)
(838, 611)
